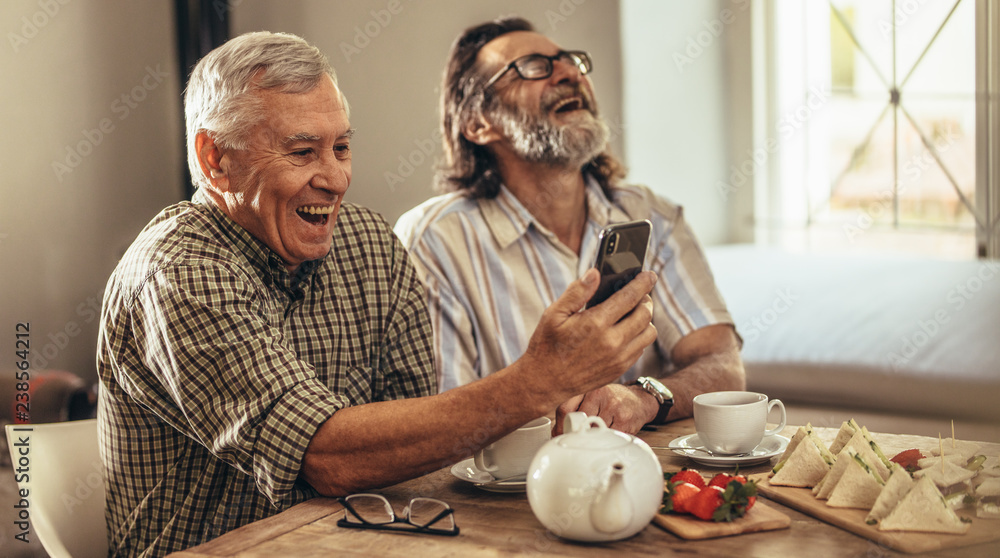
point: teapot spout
(611, 510)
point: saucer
(467, 471)
(689, 446)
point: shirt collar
(268, 265)
(600, 210)
(508, 219)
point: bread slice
(861, 444)
(947, 475)
(859, 486)
(846, 432)
(877, 450)
(799, 435)
(923, 509)
(989, 487)
(823, 489)
(900, 482)
(964, 448)
(935, 461)
(806, 466)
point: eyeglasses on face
(421, 515)
(539, 66)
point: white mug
(511, 455)
(730, 422)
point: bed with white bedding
(899, 335)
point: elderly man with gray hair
(252, 354)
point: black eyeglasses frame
(394, 525)
(585, 65)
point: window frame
(777, 212)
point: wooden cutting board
(801, 499)
(759, 518)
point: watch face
(655, 387)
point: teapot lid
(585, 432)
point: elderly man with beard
(532, 185)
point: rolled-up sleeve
(214, 368)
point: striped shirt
(491, 270)
(217, 366)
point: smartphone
(621, 252)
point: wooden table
(501, 524)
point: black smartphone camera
(620, 256)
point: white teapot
(594, 483)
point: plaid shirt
(217, 367)
(491, 269)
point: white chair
(59, 465)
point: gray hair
(221, 95)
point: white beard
(537, 140)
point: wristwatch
(663, 395)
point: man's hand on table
(624, 408)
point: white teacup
(511, 455)
(730, 422)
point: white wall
(66, 66)
(686, 99)
(389, 66)
(65, 71)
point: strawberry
(720, 480)
(706, 502)
(680, 499)
(743, 480)
(724, 504)
(688, 475)
(738, 498)
(751, 499)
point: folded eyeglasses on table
(421, 515)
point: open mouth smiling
(316, 214)
(569, 104)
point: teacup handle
(781, 426)
(480, 460)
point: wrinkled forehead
(318, 113)
(511, 46)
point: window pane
(892, 151)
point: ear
(480, 132)
(210, 157)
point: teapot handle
(579, 422)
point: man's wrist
(661, 394)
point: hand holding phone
(621, 252)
